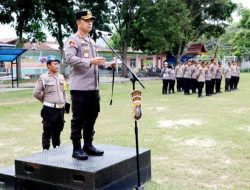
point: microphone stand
(133, 79)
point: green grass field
(195, 143)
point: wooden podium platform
(56, 169)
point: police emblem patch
(86, 55)
(72, 43)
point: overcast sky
(8, 32)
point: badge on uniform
(85, 51)
(72, 43)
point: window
(133, 63)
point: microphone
(102, 33)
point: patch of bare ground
(180, 123)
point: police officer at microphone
(81, 56)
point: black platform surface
(56, 169)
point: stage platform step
(56, 169)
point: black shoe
(91, 150)
(79, 154)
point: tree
(226, 44)
(241, 40)
(6, 7)
(160, 25)
(185, 21)
(61, 21)
(26, 18)
(122, 16)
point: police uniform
(227, 75)
(171, 80)
(187, 78)
(165, 78)
(84, 90)
(179, 75)
(194, 75)
(212, 70)
(237, 77)
(50, 91)
(233, 76)
(201, 80)
(218, 77)
(208, 88)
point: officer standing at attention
(171, 79)
(212, 70)
(178, 74)
(201, 78)
(81, 56)
(227, 74)
(165, 77)
(208, 88)
(218, 77)
(237, 75)
(187, 77)
(50, 91)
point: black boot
(78, 153)
(91, 150)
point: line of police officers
(192, 75)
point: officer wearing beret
(81, 56)
(50, 91)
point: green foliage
(241, 39)
(6, 10)
(59, 20)
(168, 26)
(160, 26)
(115, 41)
(27, 16)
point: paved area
(30, 85)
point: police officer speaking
(81, 56)
(50, 91)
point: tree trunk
(178, 57)
(61, 46)
(18, 61)
(183, 50)
(124, 57)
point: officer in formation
(208, 87)
(218, 77)
(179, 75)
(201, 78)
(49, 90)
(171, 79)
(187, 74)
(168, 78)
(195, 75)
(212, 71)
(232, 76)
(81, 56)
(165, 77)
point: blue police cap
(51, 58)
